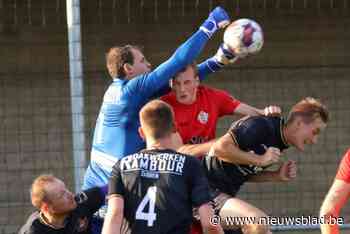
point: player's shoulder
(132, 86)
(168, 98)
(211, 90)
(264, 121)
(33, 225)
(346, 156)
(257, 123)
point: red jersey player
(197, 107)
(336, 198)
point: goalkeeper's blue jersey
(116, 132)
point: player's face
(61, 199)
(140, 65)
(308, 133)
(185, 86)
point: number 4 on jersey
(150, 198)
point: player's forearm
(112, 224)
(265, 176)
(335, 200)
(228, 151)
(208, 67)
(197, 150)
(328, 213)
(114, 216)
(244, 109)
(159, 78)
(329, 229)
(328, 226)
(187, 52)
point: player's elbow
(112, 222)
(328, 212)
(223, 148)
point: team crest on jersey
(203, 117)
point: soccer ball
(243, 37)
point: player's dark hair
(308, 109)
(157, 119)
(116, 57)
(193, 65)
(38, 192)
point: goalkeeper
(134, 84)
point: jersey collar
(44, 221)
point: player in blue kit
(246, 151)
(134, 84)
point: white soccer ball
(243, 37)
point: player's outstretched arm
(114, 216)
(184, 55)
(335, 199)
(245, 109)
(286, 172)
(197, 150)
(227, 150)
(213, 64)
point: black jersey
(159, 188)
(78, 222)
(249, 134)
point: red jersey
(344, 168)
(196, 122)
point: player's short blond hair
(157, 119)
(38, 191)
(308, 109)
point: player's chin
(184, 100)
(300, 146)
(73, 205)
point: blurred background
(306, 53)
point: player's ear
(141, 133)
(197, 79)
(44, 207)
(127, 69)
(298, 122)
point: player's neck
(160, 144)
(54, 221)
(288, 134)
